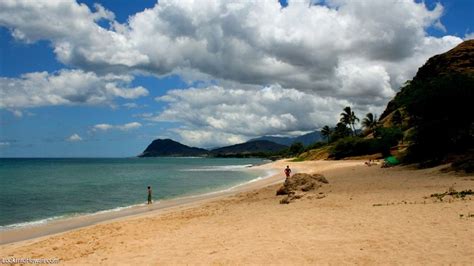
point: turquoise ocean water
(37, 190)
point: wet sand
(368, 215)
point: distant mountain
(310, 138)
(306, 139)
(287, 141)
(168, 147)
(171, 148)
(248, 148)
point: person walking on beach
(287, 171)
(149, 195)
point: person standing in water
(287, 171)
(149, 195)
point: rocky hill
(171, 148)
(460, 59)
(168, 147)
(435, 109)
(429, 122)
(457, 61)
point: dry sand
(251, 227)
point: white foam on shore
(33, 223)
(237, 167)
(66, 216)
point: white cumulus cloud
(73, 29)
(74, 138)
(66, 87)
(301, 46)
(227, 116)
(129, 126)
(321, 57)
(124, 127)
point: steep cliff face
(436, 108)
(455, 62)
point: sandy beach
(365, 215)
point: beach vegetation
(370, 121)
(340, 131)
(298, 159)
(326, 132)
(439, 114)
(349, 118)
(351, 146)
(384, 139)
(453, 193)
(296, 148)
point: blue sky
(266, 71)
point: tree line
(346, 140)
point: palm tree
(349, 118)
(346, 116)
(340, 131)
(370, 121)
(326, 132)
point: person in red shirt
(287, 171)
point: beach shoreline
(365, 215)
(33, 230)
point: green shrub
(385, 138)
(352, 146)
(296, 148)
(339, 132)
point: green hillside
(429, 122)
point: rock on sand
(297, 185)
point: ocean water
(37, 190)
